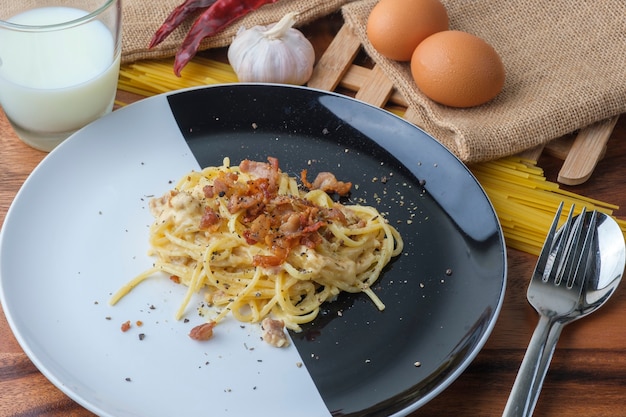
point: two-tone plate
(78, 230)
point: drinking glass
(59, 64)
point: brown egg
(457, 69)
(396, 27)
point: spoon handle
(533, 369)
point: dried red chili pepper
(176, 17)
(212, 20)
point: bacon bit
(262, 169)
(126, 326)
(210, 219)
(225, 182)
(304, 179)
(259, 229)
(209, 191)
(327, 182)
(267, 260)
(250, 203)
(175, 279)
(313, 227)
(273, 332)
(203, 331)
(292, 223)
(261, 186)
(336, 215)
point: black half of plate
(442, 295)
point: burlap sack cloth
(141, 18)
(565, 63)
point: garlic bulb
(276, 53)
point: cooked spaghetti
(260, 245)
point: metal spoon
(601, 279)
(607, 272)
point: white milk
(53, 83)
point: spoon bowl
(605, 274)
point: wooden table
(587, 375)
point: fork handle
(533, 369)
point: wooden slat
(587, 149)
(532, 154)
(377, 88)
(334, 63)
(355, 78)
(412, 116)
(559, 147)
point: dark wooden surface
(587, 375)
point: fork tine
(571, 251)
(556, 249)
(544, 256)
(585, 252)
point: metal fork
(554, 291)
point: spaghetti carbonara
(260, 245)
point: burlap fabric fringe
(565, 63)
(142, 18)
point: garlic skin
(276, 53)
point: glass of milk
(59, 64)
